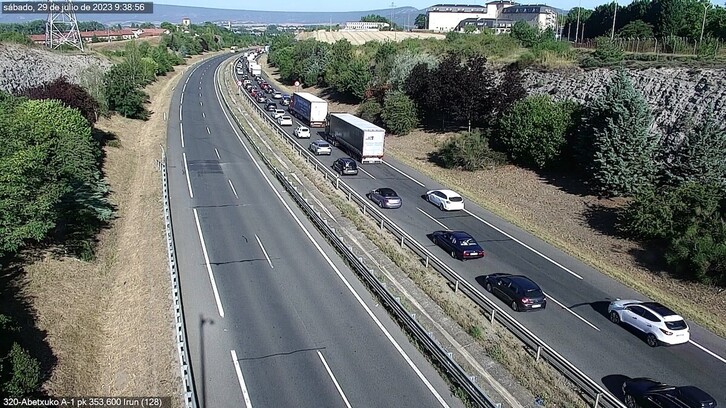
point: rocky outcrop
(23, 67)
(671, 92)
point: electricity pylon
(62, 25)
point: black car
(459, 244)
(648, 393)
(519, 291)
(385, 198)
(270, 106)
(346, 166)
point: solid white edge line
(217, 153)
(524, 245)
(181, 100)
(263, 251)
(186, 172)
(714, 355)
(404, 174)
(209, 265)
(181, 133)
(332, 265)
(571, 311)
(433, 219)
(332, 377)
(232, 187)
(369, 174)
(242, 385)
(180, 113)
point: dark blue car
(458, 244)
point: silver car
(321, 147)
(385, 198)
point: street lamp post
(577, 26)
(703, 24)
(615, 13)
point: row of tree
(649, 18)
(609, 142)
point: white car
(320, 147)
(277, 95)
(277, 113)
(302, 132)
(446, 200)
(660, 324)
(284, 121)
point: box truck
(309, 108)
(362, 139)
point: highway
(274, 317)
(575, 322)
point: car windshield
(455, 199)
(677, 325)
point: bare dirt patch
(556, 211)
(109, 321)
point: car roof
(523, 282)
(386, 190)
(346, 159)
(460, 234)
(659, 309)
(448, 193)
(320, 141)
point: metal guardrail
(190, 400)
(599, 396)
(435, 350)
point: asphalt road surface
(273, 315)
(575, 322)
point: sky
(349, 5)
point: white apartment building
(363, 26)
(452, 17)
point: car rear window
(533, 293)
(455, 199)
(322, 144)
(467, 242)
(677, 325)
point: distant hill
(174, 14)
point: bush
(22, 372)
(123, 94)
(399, 113)
(71, 95)
(534, 131)
(469, 151)
(608, 52)
(370, 110)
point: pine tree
(619, 144)
(695, 152)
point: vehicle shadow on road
(614, 384)
(600, 306)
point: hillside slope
(23, 67)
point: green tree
(636, 29)
(618, 144)
(525, 33)
(370, 110)
(694, 153)
(421, 21)
(357, 78)
(403, 64)
(122, 92)
(399, 113)
(534, 131)
(608, 52)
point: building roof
(529, 8)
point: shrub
(370, 110)
(23, 372)
(71, 95)
(607, 52)
(469, 151)
(399, 113)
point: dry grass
(501, 346)
(561, 218)
(362, 37)
(109, 322)
(119, 45)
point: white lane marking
(200, 94)
(523, 244)
(571, 311)
(238, 370)
(203, 115)
(369, 174)
(332, 377)
(217, 153)
(181, 100)
(186, 172)
(714, 355)
(433, 219)
(184, 88)
(332, 265)
(208, 131)
(232, 187)
(200, 103)
(180, 113)
(181, 133)
(264, 251)
(209, 265)
(404, 174)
